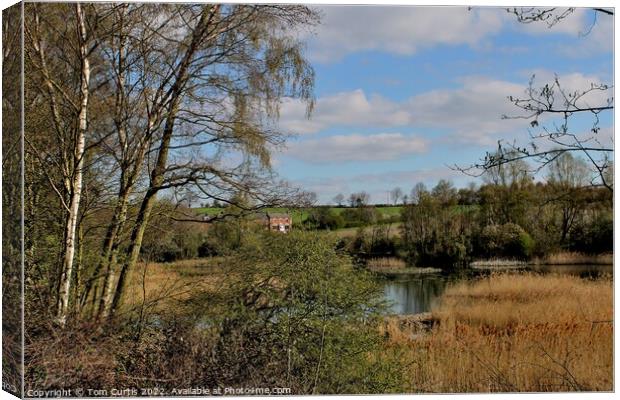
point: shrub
(295, 313)
(507, 240)
(324, 218)
(360, 216)
(597, 237)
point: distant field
(300, 215)
(394, 230)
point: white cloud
(345, 148)
(399, 29)
(471, 113)
(597, 38)
(405, 30)
(345, 109)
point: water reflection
(413, 294)
(583, 271)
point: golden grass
(161, 284)
(513, 333)
(567, 257)
(389, 263)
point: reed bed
(389, 263)
(161, 284)
(567, 258)
(515, 333)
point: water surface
(413, 294)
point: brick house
(279, 222)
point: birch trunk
(111, 253)
(157, 174)
(137, 234)
(76, 180)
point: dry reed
(567, 257)
(514, 333)
(161, 284)
(386, 263)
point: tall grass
(160, 285)
(386, 263)
(514, 333)
(568, 257)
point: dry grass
(388, 263)
(516, 333)
(567, 257)
(394, 231)
(498, 263)
(161, 284)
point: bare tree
(338, 199)
(445, 192)
(567, 176)
(396, 194)
(312, 198)
(550, 109)
(509, 174)
(359, 199)
(418, 191)
(551, 15)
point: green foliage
(597, 237)
(507, 240)
(324, 218)
(360, 216)
(435, 234)
(299, 315)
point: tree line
(509, 215)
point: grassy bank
(514, 333)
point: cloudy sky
(402, 92)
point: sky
(405, 92)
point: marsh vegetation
(511, 333)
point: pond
(418, 293)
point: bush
(324, 218)
(360, 216)
(440, 252)
(507, 240)
(179, 242)
(296, 314)
(595, 238)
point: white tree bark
(76, 180)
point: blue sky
(403, 92)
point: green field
(299, 215)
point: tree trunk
(111, 252)
(157, 174)
(76, 179)
(157, 178)
(137, 235)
